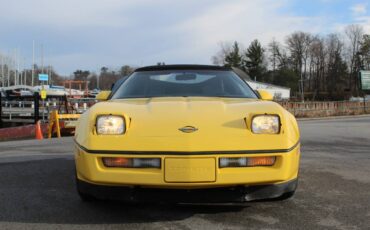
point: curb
(332, 117)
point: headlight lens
(266, 124)
(110, 125)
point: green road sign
(365, 79)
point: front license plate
(188, 170)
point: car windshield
(184, 83)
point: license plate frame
(190, 170)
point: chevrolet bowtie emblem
(188, 129)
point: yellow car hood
(223, 125)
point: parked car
(186, 133)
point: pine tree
(254, 61)
(234, 58)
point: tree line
(104, 79)
(11, 75)
(318, 67)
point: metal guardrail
(30, 109)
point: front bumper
(236, 194)
(90, 169)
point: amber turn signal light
(231, 162)
(261, 161)
(123, 162)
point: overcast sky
(88, 34)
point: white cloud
(238, 20)
(68, 13)
(197, 35)
(89, 34)
(365, 22)
(360, 16)
(359, 9)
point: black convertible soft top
(181, 67)
(238, 71)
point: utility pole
(21, 74)
(15, 67)
(42, 58)
(302, 86)
(8, 65)
(18, 68)
(2, 70)
(48, 73)
(33, 62)
(24, 71)
(50, 70)
(42, 62)
(97, 79)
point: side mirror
(266, 96)
(103, 95)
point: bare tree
(317, 65)
(220, 56)
(354, 34)
(93, 81)
(365, 52)
(298, 44)
(323, 65)
(274, 51)
(126, 70)
(335, 65)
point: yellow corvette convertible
(186, 133)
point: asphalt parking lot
(37, 189)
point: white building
(279, 92)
